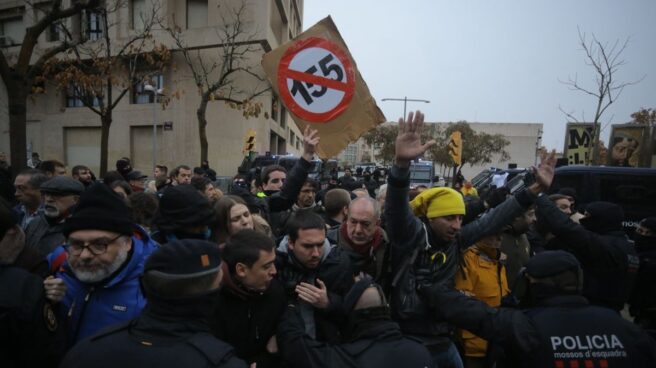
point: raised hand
(310, 141)
(544, 173)
(408, 141)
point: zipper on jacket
(84, 308)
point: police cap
(184, 259)
(551, 263)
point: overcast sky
(494, 61)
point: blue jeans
(448, 358)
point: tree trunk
(202, 127)
(17, 125)
(106, 122)
(595, 144)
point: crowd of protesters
(279, 271)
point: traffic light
(455, 148)
(249, 141)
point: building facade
(524, 138)
(60, 127)
(356, 152)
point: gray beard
(50, 211)
(91, 277)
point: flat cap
(551, 263)
(136, 175)
(62, 185)
(184, 259)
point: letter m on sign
(578, 137)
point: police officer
(181, 280)
(559, 328)
(29, 333)
(643, 299)
(372, 338)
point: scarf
(362, 249)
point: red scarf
(366, 248)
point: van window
(628, 189)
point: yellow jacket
(469, 192)
(483, 276)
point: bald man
(362, 238)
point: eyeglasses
(240, 183)
(96, 246)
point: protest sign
(318, 81)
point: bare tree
(215, 74)
(103, 70)
(19, 71)
(605, 59)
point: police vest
(574, 334)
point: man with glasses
(362, 239)
(97, 270)
(182, 280)
(60, 195)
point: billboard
(578, 138)
(629, 146)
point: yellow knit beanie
(437, 202)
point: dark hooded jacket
(418, 258)
(247, 319)
(643, 298)
(30, 334)
(162, 336)
(561, 330)
(335, 271)
(608, 258)
(378, 344)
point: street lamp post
(156, 92)
(405, 102)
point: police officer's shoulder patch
(49, 317)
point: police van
(422, 173)
(632, 188)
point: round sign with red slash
(316, 80)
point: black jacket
(43, 237)
(379, 345)
(278, 220)
(155, 339)
(335, 271)
(286, 197)
(419, 259)
(609, 261)
(375, 263)
(247, 320)
(643, 299)
(560, 331)
(30, 335)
